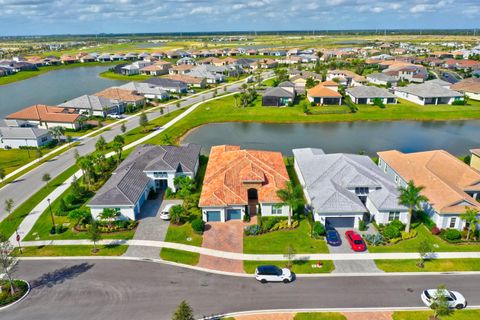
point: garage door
(234, 214)
(346, 222)
(213, 216)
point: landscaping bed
(298, 266)
(433, 265)
(6, 298)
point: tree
(183, 312)
(2, 173)
(185, 186)
(57, 132)
(94, 235)
(118, 148)
(236, 96)
(101, 144)
(176, 213)
(46, 178)
(167, 139)
(38, 153)
(85, 164)
(290, 255)
(62, 206)
(310, 83)
(109, 214)
(471, 219)
(292, 196)
(440, 305)
(123, 128)
(9, 205)
(425, 250)
(412, 198)
(7, 261)
(143, 120)
(81, 215)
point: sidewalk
(258, 257)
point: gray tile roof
(440, 82)
(429, 90)
(382, 77)
(129, 180)
(370, 92)
(89, 102)
(22, 132)
(278, 92)
(144, 88)
(286, 84)
(329, 176)
(167, 83)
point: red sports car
(355, 240)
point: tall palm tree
(85, 165)
(471, 217)
(57, 132)
(292, 196)
(412, 198)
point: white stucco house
(148, 168)
(344, 189)
(368, 94)
(450, 185)
(17, 137)
(242, 181)
(428, 94)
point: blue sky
(25, 17)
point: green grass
(12, 159)
(319, 316)
(223, 110)
(411, 245)
(278, 241)
(115, 76)
(422, 315)
(74, 250)
(269, 82)
(298, 267)
(435, 265)
(10, 223)
(180, 256)
(181, 234)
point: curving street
(113, 289)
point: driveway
(352, 266)
(225, 236)
(150, 227)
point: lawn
(183, 234)
(298, 267)
(424, 234)
(74, 250)
(422, 315)
(180, 256)
(10, 223)
(12, 159)
(319, 316)
(224, 110)
(115, 76)
(435, 265)
(278, 241)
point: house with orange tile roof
(45, 117)
(324, 94)
(475, 159)
(157, 69)
(239, 182)
(196, 82)
(450, 185)
(181, 69)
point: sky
(33, 17)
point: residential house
(322, 95)
(148, 168)
(368, 95)
(212, 74)
(195, 82)
(168, 85)
(470, 87)
(450, 185)
(239, 182)
(147, 90)
(68, 59)
(427, 94)
(123, 96)
(186, 60)
(181, 69)
(475, 159)
(134, 68)
(344, 189)
(382, 79)
(95, 105)
(346, 77)
(45, 117)
(19, 137)
(157, 69)
(281, 95)
(105, 57)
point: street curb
(29, 288)
(342, 310)
(249, 275)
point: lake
(52, 88)
(456, 137)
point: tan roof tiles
(120, 95)
(40, 112)
(320, 91)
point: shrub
(435, 230)
(362, 226)
(59, 229)
(409, 235)
(374, 239)
(318, 229)
(268, 223)
(283, 224)
(391, 232)
(451, 234)
(253, 230)
(246, 217)
(425, 219)
(198, 225)
(394, 240)
(397, 224)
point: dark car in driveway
(333, 238)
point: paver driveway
(225, 236)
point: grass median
(298, 266)
(70, 251)
(422, 315)
(180, 256)
(434, 265)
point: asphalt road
(113, 289)
(22, 188)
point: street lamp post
(51, 214)
(28, 151)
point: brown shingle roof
(232, 171)
(185, 78)
(41, 112)
(445, 178)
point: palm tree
(471, 218)
(101, 144)
(56, 132)
(118, 148)
(292, 196)
(85, 164)
(412, 198)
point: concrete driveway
(150, 227)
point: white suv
(455, 299)
(270, 273)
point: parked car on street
(455, 299)
(355, 240)
(114, 116)
(333, 238)
(165, 214)
(269, 273)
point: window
(361, 190)
(396, 178)
(160, 174)
(277, 209)
(453, 222)
(385, 168)
(393, 215)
